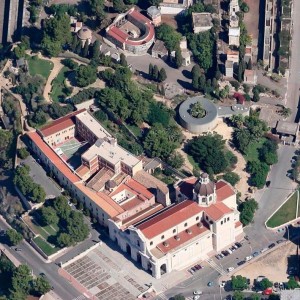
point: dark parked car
(279, 241)
(272, 245)
(225, 252)
(241, 262)
(255, 254)
(268, 183)
(239, 245)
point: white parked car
(197, 292)
(248, 258)
(222, 284)
(230, 269)
(197, 297)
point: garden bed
(58, 85)
(44, 246)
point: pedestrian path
(215, 266)
(81, 297)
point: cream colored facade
(197, 228)
(60, 136)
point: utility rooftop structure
(202, 22)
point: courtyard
(71, 151)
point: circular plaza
(198, 122)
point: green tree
(85, 49)
(162, 75)
(48, 215)
(119, 5)
(85, 75)
(150, 72)
(64, 240)
(292, 284)
(158, 114)
(247, 210)
(259, 171)
(13, 237)
(37, 194)
(238, 295)
(237, 120)
(196, 72)
(256, 96)
(157, 142)
(23, 153)
(61, 206)
(176, 160)
(95, 52)
(202, 46)
(97, 8)
(41, 286)
(268, 152)
(255, 297)
(178, 58)
(21, 278)
(265, 283)
(76, 227)
(155, 73)
(256, 127)
(244, 7)
(239, 283)
(169, 36)
(232, 178)
(123, 61)
(202, 85)
(208, 152)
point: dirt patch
(251, 18)
(170, 20)
(274, 265)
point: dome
(204, 187)
(85, 34)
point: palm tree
(197, 111)
(237, 120)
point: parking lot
(103, 278)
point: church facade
(205, 220)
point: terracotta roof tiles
(217, 211)
(169, 218)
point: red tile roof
(186, 187)
(138, 16)
(131, 204)
(60, 124)
(169, 218)
(224, 190)
(53, 157)
(103, 201)
(217, 211)
(183, 236)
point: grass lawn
(252, 151)
(286, 213)
(45, 247)
(39, 66)
(58, 85)
(135, 129)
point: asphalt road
(269, 200)
(62, 288)
(294, 79)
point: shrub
(23, 153)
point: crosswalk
(81, 297)
(215, 266)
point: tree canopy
(13, 237)
(169, 36)
(239, 283)
(247, 210)
(208, 151)
(85, 75)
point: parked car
(263, 250)
(256, 253)
(191, 271)
(268, 291)
(239, 245)
(241, 262)
(210, 283)
(248, 281)
(225, 253)
(18, 249)
(222, 255)
(230, 269)
(271, 245)
(276, 285)
(196, 297)
(222, 284)
(194, 269)
(248, 258)
(279, 241)
(197, 292)
(229, 251)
